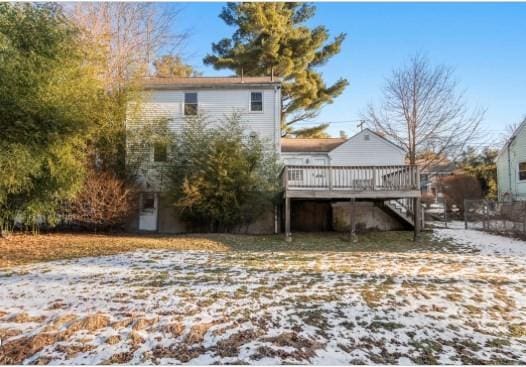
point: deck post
(288, 235)
(352, 221)
(416, 213)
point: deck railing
(351, 178)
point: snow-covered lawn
(163, 306)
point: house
(256, 99)
(325, 175)
(511, 167)
(360, 182)
(430, 176)
(354, 151)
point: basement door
(149, 207)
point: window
(147, 202)
(522, 171)
(256, 101)
(190, 104)
(366, 137)
(295, 174)
(160, 152)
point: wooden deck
(332, 182)
(397, 182)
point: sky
(484, 42)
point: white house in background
(366, 148)
(256, 99)
(511, 166)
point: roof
(512, 137)
(310, 145)
(322, 144)
(437, 167)
(209, 82)
(379, 136)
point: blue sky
(485, 43)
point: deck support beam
(288, 234)
(416, 218)
(352, 221)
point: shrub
(220, 177)
(105, 202)
(457, 188)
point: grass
(20, 249)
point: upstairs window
(256, 101)
(522, 171)
(160, 152)
(190, 104)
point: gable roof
(512, 137)
(324, 144)
(378, 136)
(310, 145)
(209, 82)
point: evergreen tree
(219, 178)
(272, 39)
(312, 132)
(482, 166)
(168, 66)
(48, 96)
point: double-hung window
(190, 104)
(522, 171)
(256, 101)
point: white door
(148, 211)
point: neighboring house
(256, 99)
(430, 175)
(366, 148)
(323, 174)
(511, 166)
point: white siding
(508, 170)
(217, 104)
(357, 151)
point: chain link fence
(506, 217)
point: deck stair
(403, 208)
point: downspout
(277, 143)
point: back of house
(257, 101)
(320, 176)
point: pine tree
(272, 39)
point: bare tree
(423, 112)
(129, 36)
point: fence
(507, 217)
